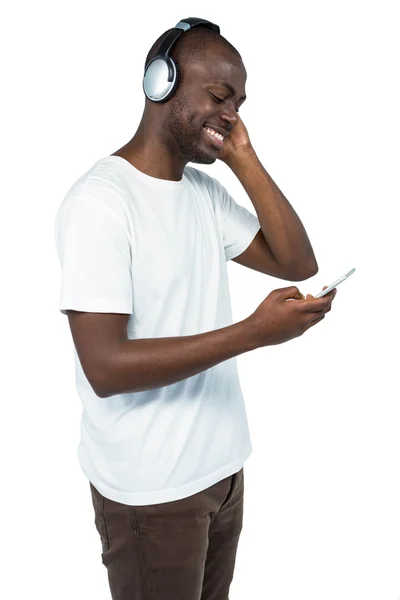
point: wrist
(241, 155)
(251, 333)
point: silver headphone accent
(161, 76)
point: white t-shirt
(157, 250)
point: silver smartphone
(333, 285)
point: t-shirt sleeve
(94, 251)
(239, 225)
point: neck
(149, 152)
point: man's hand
(277, 320)
(238, 141)
(310, 296)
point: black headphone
(161, 74)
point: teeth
(215, 134)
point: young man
(143, 242)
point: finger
(315, 305)
(290, 293)
(314, 322)
(311, 296)
(332, 293)
(299, 297)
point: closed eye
(219, 100)
(216, 99)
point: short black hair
(192, 46)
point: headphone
(161, 74)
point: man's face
(200, 102)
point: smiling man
(143, 241)
(171, 134)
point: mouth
(216, 138)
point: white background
(322, 518)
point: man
(143, 242)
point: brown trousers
(179, 550)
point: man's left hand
(238, 141)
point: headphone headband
(160, 82)
(179, 29)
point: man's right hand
(276, 320)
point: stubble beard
(181, 127)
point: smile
(217, 138)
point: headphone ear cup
(176, 81)
(156, 86)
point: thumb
(311, 297)
(291, 293)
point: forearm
(144, 364)
(282, 228)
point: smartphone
(333, 285)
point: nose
(230, 115)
